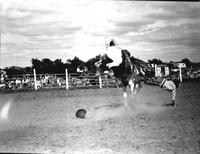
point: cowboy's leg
(173, 95)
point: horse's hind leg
(140, 85)
(133, 87)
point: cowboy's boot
(172, 103)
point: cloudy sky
(62, 29)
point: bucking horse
(133, 73)
(129, 73)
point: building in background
(160, 70)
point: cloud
(175, 11)
(178, 34)
(124, 27)
(53, 28)
(25, 32)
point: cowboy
(168, 85)
(111, 52)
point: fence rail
(68, 81)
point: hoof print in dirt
(81, 113)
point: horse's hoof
(81, 113)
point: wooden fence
(67, 81)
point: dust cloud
(136, 105)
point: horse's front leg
(125, 96)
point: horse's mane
(138, 62)
(134, 61)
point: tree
(28, 70)
(36, 64)
(58, 66)
(44, 66)
(91, 64)
(47, 66)
(14, 70)
(72, 64)
(155, 61)
(186, 61)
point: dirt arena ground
(45, 122)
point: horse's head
(126, 59)
(125, 54)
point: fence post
(156, 71)
(100, 82)
(67, 79)
(180, 74)
(35, 80)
